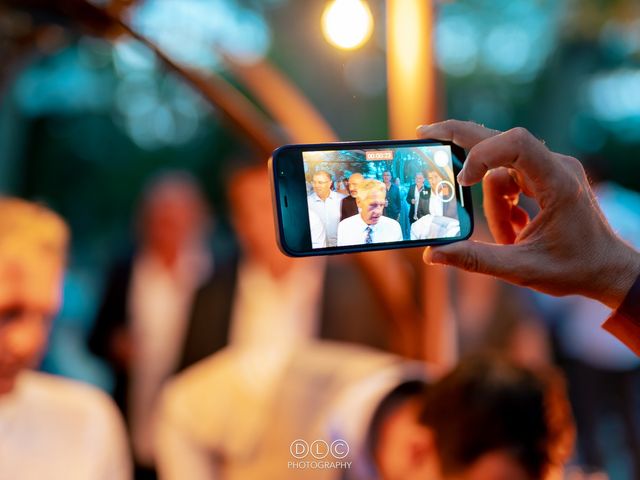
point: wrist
(620, 274)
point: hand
(413, 201)
(568, 248)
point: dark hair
(400, 394)
(486, 405)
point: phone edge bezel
(281, 238)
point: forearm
(624, 322)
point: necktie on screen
(368, 238)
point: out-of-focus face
(354, 182)
(371, 206)
(322, 185)
(419, 180)
(405, 449)
(386, 177)
(253, 220)
(30, 292)
(172, 217)
(434, 179)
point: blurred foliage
(586, 20)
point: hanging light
(347, 24)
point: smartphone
(359, 196)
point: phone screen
(382, 195)
(375, 195)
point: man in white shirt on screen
(50, 427)
(442, 200)
(326, 204)
(318, 233)
(369, 225)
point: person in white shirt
(418, 198)
(435, 202)
(442, 201)
(143, 325)
(369, 225)
(326, 204)
(50, 427)
(318, 233)
(431, 226)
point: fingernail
(433, 256)
(437, 257)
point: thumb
(498, 260)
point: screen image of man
(394, 204)
(349, 207)
(442, 202)
(418, 197)
(318, 233)
(369, 225)
(326, 203)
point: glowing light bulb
(347, 24)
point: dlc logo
(319, 454)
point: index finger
(464, 134)
(516, 149)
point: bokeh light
(198, 32)
(347, 24)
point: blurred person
(370, 225)
(568, 248)
(51, 427)
(393, 204)
(433, 226)
(349, 207)
(326, 204)
(486, 420)
(142, 327)
(275, 302)
(276, 299)
(437, 204)
(494, 419)
(418, 197)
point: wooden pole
(413, 100)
